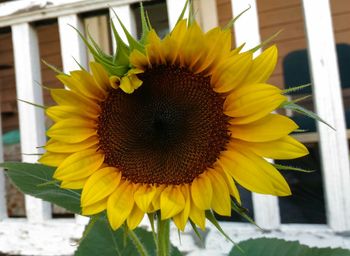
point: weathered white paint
(53, 237)
(57, 10)
(126, 15)
(31, 119)
(247, 31)
(328, 101)
(174, 8)
(3, 208)
(72, 47)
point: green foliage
(36, 180)
(291, 168)
(278, 247)
(102, 240)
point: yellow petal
(143, 196)
(263, 66)
(231, 73)
(177, 36)
(230, 184)
(138, 59)
(135, 217)
(114, 82)
(88, 85)
(79, 165)
(95, 208)
(253, 172)
(120, 204)
(262, 98)
(100, 75)
(197, 216)
(154, 49)
(181, 218)
(53, 159)
(70, 98)
(172, 202)
(130, 82)
(73, 184)
(62, 147)
(283, 148)
(221, 202)
(271, 127)
(58, 113)
(201, 192)
(156, 198)
(72, 130)
(100, 185)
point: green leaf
(279, 247)
(29, 178)
(53, 68)
(33, 104)
(291, 168)
(299, 109)
(102, 240)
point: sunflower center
(168, 131)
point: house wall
(275, 15)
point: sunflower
(172, 129)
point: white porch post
(31, 119)
(126, 15)
(3, 208)
(266, 208)
(328, 101)
(72, 47)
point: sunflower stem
(138, 244)
(163, 237)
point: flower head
(172, 129)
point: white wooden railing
(39, 234)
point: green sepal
(299, 109)
(98, 49)
(242, 212)
(53, 68)
(210, 216)
(301, 98)
(290, 168)
(122, 53)
(80, 66)
(195, 230)
(233, 20)
(265, 42)
(144, 25)
(33, 104)
(191, 14)
(181, 17)
(133, 43)
(295, 89)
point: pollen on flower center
(168, 131)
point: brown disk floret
(168, 131)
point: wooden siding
(275, 15)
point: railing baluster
(329, 105)
(72, 47)
(3, 207)
(31, 119)
(266, 208)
